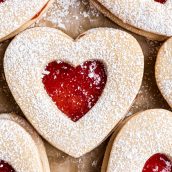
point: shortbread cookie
(142, 145)
(150, 18)
(74, 92)
(17, 15)
(21, 147)
(163, 71)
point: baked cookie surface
(163, 71)
(32, 52)
(16, 15)
(143, 144)
(148, 18)
(21, 147)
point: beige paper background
(75, 17)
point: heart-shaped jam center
(158, 163)
(75, 90)
(5, 167)
(161, 1)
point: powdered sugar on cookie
(15, 13)
(148, 15)
(18, 147)
(30, 52)
(144, 135)
(163, 71)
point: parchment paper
(75, 17)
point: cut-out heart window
(75, 90)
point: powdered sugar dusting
(163, 71)
(17, 147)
(71, 16)
(15, 13)
(62, 9)
(146, 15)
(144, 135)
(32, 50)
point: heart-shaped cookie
(75, 90)
(163, 72)
(143, 144)
(17, 15)
(21, 147)
(150, 18)
(99, 74)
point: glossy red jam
(75, 90)
(158, 163)
(5, 167)
(161, 1)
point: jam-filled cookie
(17, 15)
(150, 18)
(74, 92)
(142, 145)
(21, 147)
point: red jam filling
(161, 1)
(75, 90)
(2, 1)
(158, 163)
(5, 167)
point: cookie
(151, 18)
(74, 92)
(143, 144)
(21, 147)
(163, 73)
(17, 15)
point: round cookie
(74, 92)
(139, 16)
(21, 147)
(142, 144)
(163, 72)
(17, 15)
